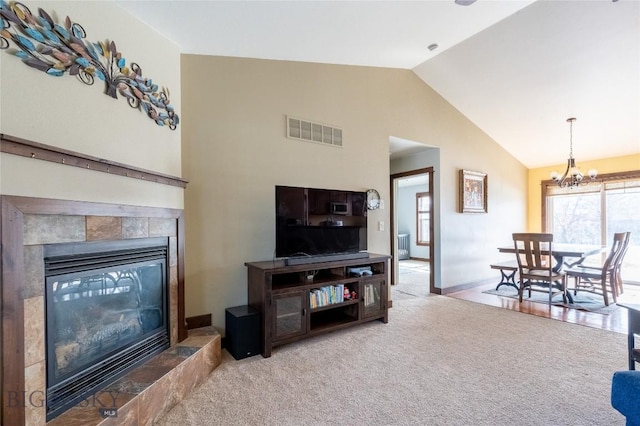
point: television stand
(304, 300)
(305, 260)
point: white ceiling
(517, 69)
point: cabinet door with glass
(374, 297)
(289, 314)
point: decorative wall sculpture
(55, 49)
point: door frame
(392, 178)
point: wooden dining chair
(619, 261)
(601, 279)
(536, 265)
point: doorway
(412, 233)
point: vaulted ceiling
(517, 69)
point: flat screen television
(316, 223)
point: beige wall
(63, 112)
(235, 152)
(465, 243)
(537, 175)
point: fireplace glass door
(94, 314)
(106, 313)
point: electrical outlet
(380, 225)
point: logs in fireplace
(106, 311)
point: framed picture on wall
(473, 192)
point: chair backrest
(617, 251)
(533, 251)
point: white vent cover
(313, 132)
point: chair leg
(521, 291)
(614, 290)
(618, 281)
(605, 294)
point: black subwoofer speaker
(242, 327)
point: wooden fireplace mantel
(39, 151)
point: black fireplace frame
(68, 258)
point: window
(591, 214)
(423, 208)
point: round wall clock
(373, 199)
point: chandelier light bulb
(575, 172)
(592, 173)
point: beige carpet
(413, 280)
(439, 361)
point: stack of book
(327, 295)
(371, 295)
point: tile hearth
(148, 392)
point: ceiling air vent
(313, 132)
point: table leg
(632, 361)
(559, 262)
(559, 266)
(633, 328)
(508, 279)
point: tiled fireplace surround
(144, 394)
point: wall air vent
(313, 132)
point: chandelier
(572, 177)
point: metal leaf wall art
(55, 49)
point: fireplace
(33, 226)
(106, 310)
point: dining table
(566, 255)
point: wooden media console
(299, 301)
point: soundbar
(304, 260)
